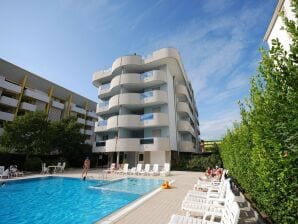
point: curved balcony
(133, 81)
(131, 62)
(185, 126)
(183, 107)
(133, 145)
(132, 121)
(132, 101)
(187, 146)
(182, 92)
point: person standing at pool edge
(86, 167)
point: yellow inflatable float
(166, 185)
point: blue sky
(65, 41)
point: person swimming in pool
(86, 168)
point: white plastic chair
(4, 173)
(146, 170)
(124, 170)
(154, 171)
(111, 169)
(139, 168)
(62, 167)
(44, 169)
(166, 170)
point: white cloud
(216, 127)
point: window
(146, 117)
(146, 94)
(100, 144)
(102, 123)
(156, 110)
(146, 75)
(145, 141)
(141, 157)
(156, 132)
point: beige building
(22, 91)
(276, 26)
(147, 111)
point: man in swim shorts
(86, 168)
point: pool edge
(117, 215)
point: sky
(66, 41)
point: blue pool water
(67, 200)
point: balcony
(78, 109)
(8, 101)
(187, 146)
(182, 92)
(5, 116)
(133, 145)
(129, 61)
(100, 126)
(1, 131)
(57, 104)
(81, 120)
(82, 131)
(36, 95)
(9, 86)
(134, 81)
(99, 76)
(28, 106)
(185, 126)
(89, 123)
(92, 114)
(99, 146)
(133, 101)
(88, 132)
(132, 121)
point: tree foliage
(261, 151)
(33, 134)
(66, 136)
(27, 134)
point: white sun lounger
(154, 171)
(124, 171)
(229, 215)
(4, 173)
(146, 170)
(166, 170)
(111, 169)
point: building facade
(147, 111)
(22, 91)
(276, 26)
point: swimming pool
(67, 200)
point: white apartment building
(147, 111)
(276, 27)
(22, 91)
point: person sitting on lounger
(208, 172)
(86, 168)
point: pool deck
(161, 204)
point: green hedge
(261, 151)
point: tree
(66, 136)
(27, 134)
(261, 151)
